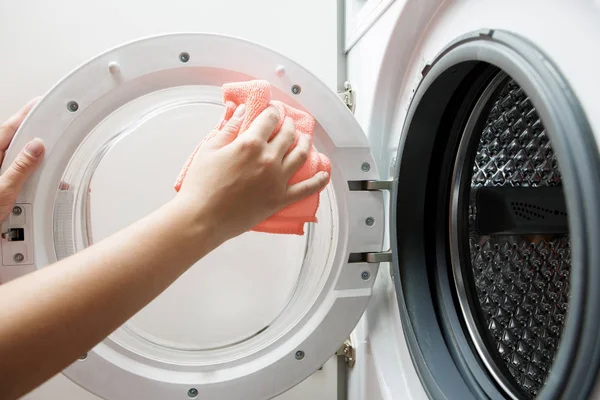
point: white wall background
(41, 41)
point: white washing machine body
(389, 56)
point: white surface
(360, 17)
(385, 67)
(41, 42)
(322, 385)
(384, 368)
(567, 33)
(326, 304)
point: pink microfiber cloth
(256, 95)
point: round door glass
(125, 169)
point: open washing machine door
(262, 312)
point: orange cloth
(256, 95)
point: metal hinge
(347, 96)
(370, 186)
(371, 258)
(347, 351)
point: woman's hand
(237, 182)
(23, 166)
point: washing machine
(483, 115)
(455, 246)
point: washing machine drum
(259, 314)
(497, 281)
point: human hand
(236, 182)
(23, 166)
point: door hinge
(370, 186)
(348, 352)
(347, 96)
(371, 258)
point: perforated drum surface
(522, 282)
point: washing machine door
(259, 314)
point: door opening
(495, 243)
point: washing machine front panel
(419, 34)
(405, 66)
(512, 270)
(118, 130)
(505, 247)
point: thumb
(229, 132)
(22, 167)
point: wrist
(193, 226)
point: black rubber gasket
(441, 351)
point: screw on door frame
(18, 257)
(365, 167)
(299, 355)
(72, 106)
(184, 57)
(17, 210)
(348, 352)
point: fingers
(230, 131)
(10, 127)
(24, 165)
(306, 188)
(264, 125)
(297, 157)
(286, 137)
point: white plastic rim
(329, 293)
